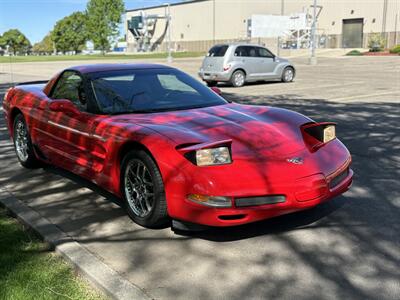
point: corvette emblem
(295, 160)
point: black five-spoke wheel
(23, 144)
(143, 189)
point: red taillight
(227, 67)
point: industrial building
(197, 25)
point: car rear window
(218, 51)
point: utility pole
(313, 58)
(279, 38)
(213, 21)
(395, 29)
(169, 58)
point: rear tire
(238, 78)
(211, 83)
(143, 190)
(23, 144)
(288, 74)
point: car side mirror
(65, 106)
(216, 90)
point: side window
(252, 51)
(241, 51)
(247, 51)
(262, 52)
(70, 87)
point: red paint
(262, 139)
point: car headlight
(329, 133)
(213, 156)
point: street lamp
(168, 16)
(313, 58)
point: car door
(267, 63)
(70, 143)
(248, 57)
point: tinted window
(218, 51)
(150, 90)
(247, 51)
(262, 52)
(70, 86)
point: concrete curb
(94, 270)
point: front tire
(288, 74)
(23, 143)
(238, 78)
(143, 190)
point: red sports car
(173, 148)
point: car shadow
(254, 83)
(303, 220)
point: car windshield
(149, 90)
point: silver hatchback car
(240, 63)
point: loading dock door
(352, 33)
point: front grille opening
(338, 179)
(231, 217)
(261, 200)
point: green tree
(69, 33)
(103, 18)
(16, 41)
(44, 46)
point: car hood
(254, 130)
(281, 59)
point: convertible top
(115, 67)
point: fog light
(214, 201)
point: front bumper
(300, 193)
(215, 76)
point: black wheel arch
(291, 67)
(239, 69)
(125, 149)
(13, 114)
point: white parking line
(365, 96)
(316, 86)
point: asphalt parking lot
(348, 248)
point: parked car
(241, 63)
(173, 148)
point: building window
(182, 36)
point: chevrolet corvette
(173, 148)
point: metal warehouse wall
(197, 25)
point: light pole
(213, 21)
(279, 37)
(169, 57)
(313, 58)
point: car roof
(238, 44)
(92, 68)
